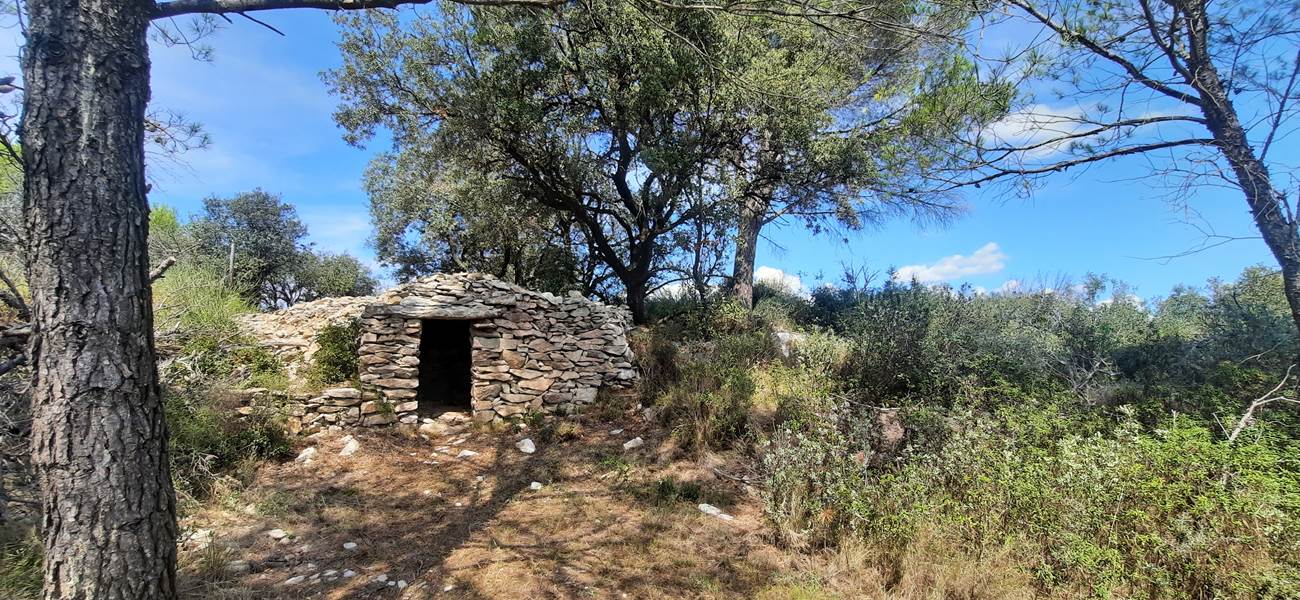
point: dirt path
(428, 522)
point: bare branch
(162, 267)
(1133, 70)
(1249, 416)
(1066, 164)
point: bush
(656, 358)
(206, 443)
(1171, 514)
(709, 405)
(194, 301)
(235, 360)
(335, 360)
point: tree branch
(162, 267)
(1063, 165)
(1269, 398)
(220, 7)
(1068, 35)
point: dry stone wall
(291, 333)
(530, 351)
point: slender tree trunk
(1276, 225)
(99, 443)
(753, 213)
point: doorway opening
(444, 367)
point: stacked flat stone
(290, 333)
(531, 351)
(308, 413)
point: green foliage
(324, 274)
(1173, 513)
(194, 301)
(335, 360)
(709, 404)
(657, 357)
(691, 122)
(206, 443)
(670, 491)
(1075, 431)
(20, 565)
(271, 264)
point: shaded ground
(607, 522)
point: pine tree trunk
(1267, 208)
(99, 443)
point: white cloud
(1036, 124)
(672, 291)
(779, 278)
(989, 258)
(1009, 286)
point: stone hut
(459, 342)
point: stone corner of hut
(458, 342)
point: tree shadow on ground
(472, 524)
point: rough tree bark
(1267, 204)
(749, 224)
(99, 443)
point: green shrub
(335, 360)
(233, 361)
(670, 491)
(1171, 514)
(207, 442)
(709, 405)
(656, 357)
(194, 301)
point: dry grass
(433, 520)
(601, 527)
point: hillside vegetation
(1073, 441)
(872, 441)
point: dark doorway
(444, 366)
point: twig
(1248, 417)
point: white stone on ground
(526, 446)
(534, 486)
(306, 455)
(381, 578)
(349, 573)
(350, 447)
(615, 432)
(714, 511)
(295, 580)
(466, 454)
(277, 534)
(633, 443)
(349, 545)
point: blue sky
(269, 115)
